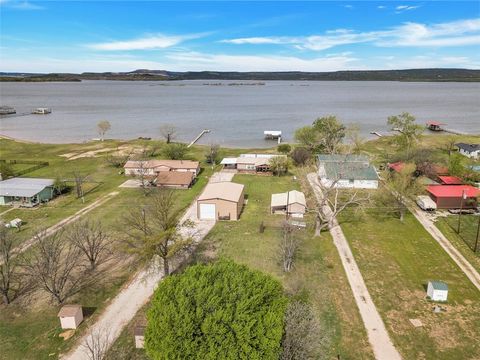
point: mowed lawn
(397, 260)
(318, 275)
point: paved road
(378, 337)
(134, 295)
(53, 229)
(456, 256)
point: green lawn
(397, 260)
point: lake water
(237, 115)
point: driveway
(377, 333)
(137, 292)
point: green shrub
(217, 311)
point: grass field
(397, 260)
(318, 273)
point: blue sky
(56, 36)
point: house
(139, 334)
(249, 163)
(469, 150)
(221, 201)
(291, 202)
(437, 291)
(153, 167)
(450, 180)
(396, 166)
(347, 171)
(174, 179)
(70, 316)
(454, 196)
(26, 192)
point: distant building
(25, 192)
(347, 171)
(450, 180)
(153, 167)
(469, 150)
(437, 291)
(292, 202)
(174, 179)
(249, 163)
(454, 196)
(70, 316)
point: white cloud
(21, 5)
(151, 42)
(456, 33)
(381, 7)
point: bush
(301, 155)
(217, 311)
(284, 148)
(175, 151)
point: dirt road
(378, 337)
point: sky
(79, 36)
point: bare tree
(356, 141)
(96, 345)
(153, 230)
(79, 181)
(300, 340)
(57, 267)
(212, 156)
(289, 246)
(168, 132)
(118, 158)
(13, 282)
(102, 127)
(144, 177)
(92, 240)
(449, 144)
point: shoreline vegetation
(408, 75)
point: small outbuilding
(221, 201)
(454, 196)
(139, 334)
(70, 316)
(450, 180)
(437, 290)
(291, 202)
(25, 192)
(469, 150)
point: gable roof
(26, 187)
(293, 197)
(349, 171)
(222, 190)
(453, 190)
(342, 158)
(69, 310)
(396, 166)
(439, 285)
(450, 180)
(152, 164)
(468, 147)
(174, 178)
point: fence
(35, 165)
(469, 229)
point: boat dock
(273, 135)
(205, 131)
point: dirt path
(136, 293)
(456, 256)
(377, 333)
(53, 229)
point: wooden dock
(205, 131)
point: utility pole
(464, 196)
(478, 232)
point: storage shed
(221, 201)
(454, 196)
(70, 316)
(437, 290)
(292, 202)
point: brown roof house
(153, 167)
(174, 179)
(292, 202)
(70, 316)
(221, 201)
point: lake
(237, 115)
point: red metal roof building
(434, 125)
(454, 196)
(450, 180)
(396, 166)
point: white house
(153, 167)
(437, 291)
(469, 150)
(347, 171)
(70, 316)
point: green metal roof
(439, 285)
(342, 158)
(350, 171)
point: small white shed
(437, 291)
(139, 334)
(70, 316)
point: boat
(7, 110)
(42, 111)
